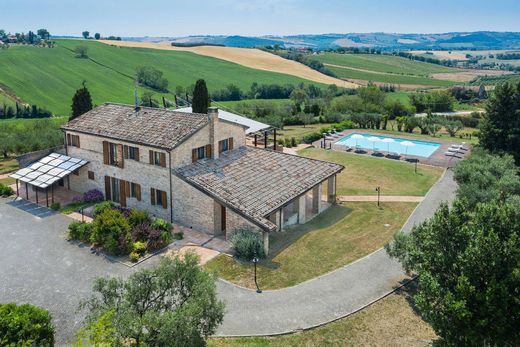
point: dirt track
(249, 57)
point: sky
(175, 18)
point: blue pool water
(419, 148)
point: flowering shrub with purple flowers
(93, 195)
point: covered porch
(47, 180)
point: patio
(438, 158)
(55, 193)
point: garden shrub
(246, 243)
(293, 142)
(25, 325)
(80, 231)
(162, 225)
(136, 217)
(5, 191)
(101, 207)
(134, 257)
(178, 236)
(139, 247)
(55, 206)
(110, 227)
(141, 231)
(93, 195)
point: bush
(55, 206)
(141, 232)
(5, 191)
(178, 236)
(136, 217)
(111, 230)
(246, 243)
(139, 247)
(101, 207)
(25, 325)
(93, 195)
(134, 257)
(162, 225)
(80, 231)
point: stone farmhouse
(195, 170)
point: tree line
(41, 37)
(23, 111)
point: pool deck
(438, 158)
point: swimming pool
(419, 148)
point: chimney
(213, 140)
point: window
(225, 145)
(90, 175)
(113, 154)
(133, 153)
(201, 153)
(130, 152)
(135, 191)
(157, 158)
(115, 185)
(73, 140)
(158, 197)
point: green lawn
(338, 236)
(7, 181)
(49, 77)
(392, 321)
(298, 131)
(363, 174)
(75, 207)
(6, 100)
(8, 165)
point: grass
(74, 207)
(363, 173)
(8, 165)
(384, 68)
(338, 236)
(298, 131)
(6, 100)
(7, 181)
(49, 77)
(383, 63)
(392, 321)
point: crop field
(6, 100)
(385, 69)
(49, 77)
(249, 57)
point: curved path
(326, 298)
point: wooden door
(223, 219)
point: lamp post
(255, 261)
(378, 190)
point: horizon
(258, 17)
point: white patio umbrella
(374, 139)
(388, 141)
(357, 137)
(407, 144)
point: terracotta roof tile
(150, 126)
(257, 182)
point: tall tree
(81, 101)
(173, 304)
(201, 101)
(85, 34)
(97, 36)
(468, 266)
(500, 126)
(43, 34)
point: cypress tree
(200, 102)
(81, 101)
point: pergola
(45, 172)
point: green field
(49, 77)
(6, 100)
(384, 68)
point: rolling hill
(386, 69)
(49, 77)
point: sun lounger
(458, 147)
(451, 154)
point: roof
(256, 182)
(252, 125)
(48, 170)
(156, 127)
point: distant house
(193, 169)
(12, 38)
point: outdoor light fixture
(255, 261)
(378, 190)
